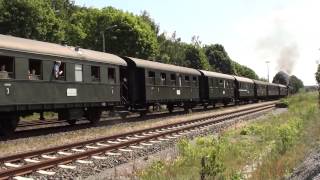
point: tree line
(63, 22)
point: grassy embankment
(266, 149)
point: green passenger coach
(38, 76)
(153, 83)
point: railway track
(105, 117)
(15, 166)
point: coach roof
(243, 79)
(164, 67)
(44, 48)
(260, 82)
(281, 85)
(216, 75)
(273, 84)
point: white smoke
(280, 46)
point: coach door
(124, 89)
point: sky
(286, 33)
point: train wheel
(123, 115)
(188, 110)
(142, 113)
(72, 121)
(225, 103)
(94, 116)
(170, 108)
(213, 105)
(8, 125)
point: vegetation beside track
(266, 149)
(36, 116)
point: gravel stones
(309, 169)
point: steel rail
(19, 156)
(65, 159)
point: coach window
(180, 80)
(59, 70)
(173, 79)
(187, 80)
(163, 77)
(220, 82)
(112, 75)
(211, 81)
(194, 78)
(6, 67)
(78, 73)
(35, 70)
(152, 77)
(95, 73)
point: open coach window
(173, 79)
(187, 80)
(35, 69)
(151, 77)
(95, 73)
(194, 79)
(163, 79)
(111, 75)
(6, 67)
(59, 69)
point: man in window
(3, 73)
(56, 69)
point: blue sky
(252, 31)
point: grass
(266, 149)
(36, 116)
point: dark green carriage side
(283, 90)
(89, 79)
(49, 93)
(157, 83)
(244, 90)
(273, 91)
(260, 90)
(217, 87)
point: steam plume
(279, 46)
(287, 58)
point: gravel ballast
(101, 169)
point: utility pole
(103, 36)
(268, 69)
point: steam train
(38, 76)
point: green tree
(241, 70)
(218, 58)
(318, 75)
(295, 83)
(197, 58)
(172, 50)
(31, 19)
(146, 17)
(132, 36)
